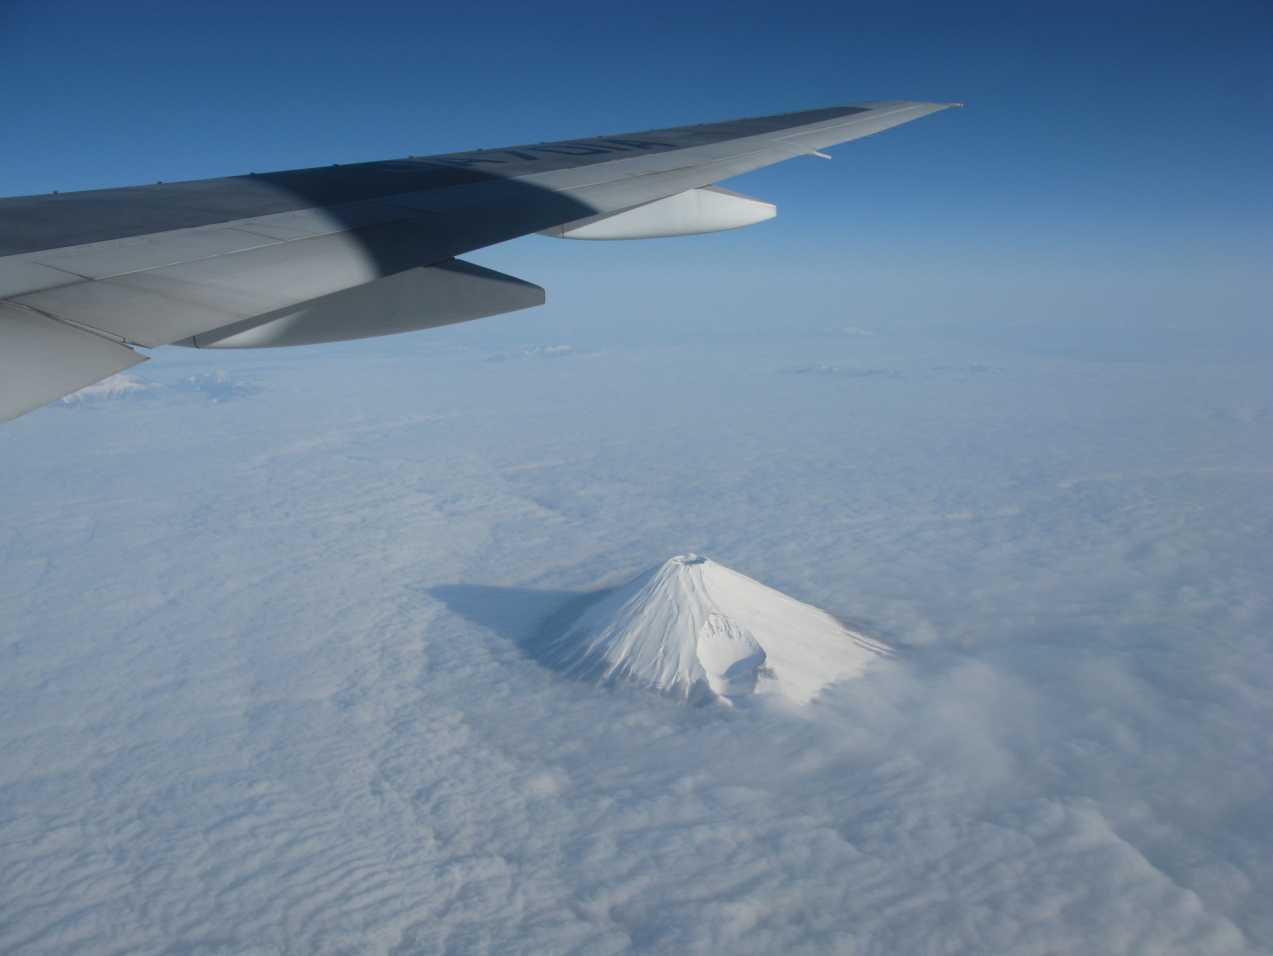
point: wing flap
(42, 360)
(420, 298)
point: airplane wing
(350, 251)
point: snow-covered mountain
(695, 629)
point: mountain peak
(695, 629)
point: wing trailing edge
(42, 359)
(420, 298)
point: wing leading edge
(86, 276)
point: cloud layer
(265, 687)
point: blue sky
(1135, 128)
(1106, 189)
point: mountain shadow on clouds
(535, 621)
(529, 618)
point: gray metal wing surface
(306, 255)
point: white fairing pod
(710, 209)
(421, 298)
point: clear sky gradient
(1113, 160)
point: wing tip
(928, 106)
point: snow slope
(695, 629)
